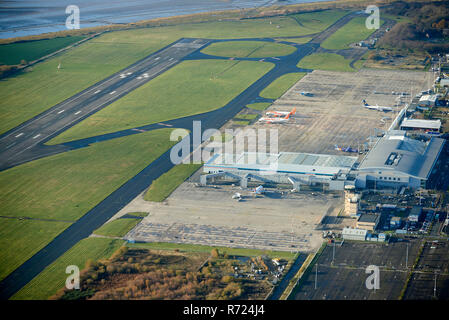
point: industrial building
(354, 234)
(398, 161)
(421, 125)
(285, 168)
(415, 214)
(427, 101)
(368, 222)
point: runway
(18, 145)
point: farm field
(14, 53)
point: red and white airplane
(275, 119)
(280, 113)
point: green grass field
(20, 239)
(248, 49)
(297, 40)
(29, 51)
(189, 88)
(246, 116)
(354, 31)
(163, 186)
(259, 106)
(326, 61)
(53, 278)
(314, 22)
(117, 228)
(279, 86)
(77, 180)
(201, 248)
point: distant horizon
(26, 18)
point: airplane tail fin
(287, 116)
(364, 102)
(293, 111)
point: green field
(77, 180)
(163, 186)
(354, 31)
(29, 51)
(325, 61)
(201, 248)
(246, 116)
(314, 22)
(248, 49)
(259, 106)
(189, 88)
(279, 86)
(20, 239)
(53, 278)
(117, 228)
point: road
(20, 144)
(101, 213)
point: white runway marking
(77, 112)
(129, 73)
(112, 92)
(97, 91)
(37, 136)
(10, 145)
(20, 134)
(61, 111)
(157, 58)
(138, 78)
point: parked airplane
(376, 107)
(280, 113)
(347, 149)
(275, 119)
(259, 190)
(308, 94)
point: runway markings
(97, 91)
(129, 73)
(138, 78)
(37, 136)
(112, 92)
(20, 134)
(157, 58)
(10, 145)
(164, 124)
(61, 111)
(77, 112)
(171, 59)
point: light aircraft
(259, 190)
(376, 107)
(347, 149)
(275, 119)
(280, 113)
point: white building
(354, 234)
(396, 161)
(420, 124)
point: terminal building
(421, 125)
(285, 168)
(398, 161)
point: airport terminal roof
(402, 154)
(287, 162)
(420, 123)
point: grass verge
(117, 228)
(163, 186)
(259, 106)
(279, 86)
(326, 61)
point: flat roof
(288, 162)
(403, 154)
(370, 218)
(420, 123)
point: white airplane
(275, 119)
(259, 190)
(280, 113)
(376, 107)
